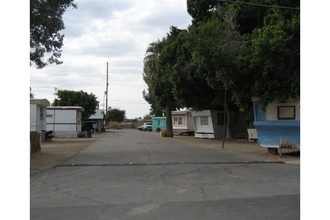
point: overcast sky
(113, 31)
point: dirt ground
(246, 147)
(60, 149)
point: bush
(115, 125)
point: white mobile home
(182, 122)
(65, 121)
(38, 109)
(208, 123)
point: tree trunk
(35, 142)
(169, 126)
(228, 123)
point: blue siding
(159, 122)
(259, 114)
(270, 132)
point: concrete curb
(293, 162)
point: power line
(260, 5)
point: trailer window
(178, 120)
(286, 112)
(204, 120)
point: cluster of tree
(115, 115)
(231, 52)
(77, 98)
(88, 102)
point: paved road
(130, 174)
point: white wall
(203, 128)
(187, 121)
(33, 117)
(183, 117)
(271, 109)
(201, 113)
(212, 129)
(202, 131)
(63, 121)
(65, 116)
(37, 119)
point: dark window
(204, 120)
(286, 112)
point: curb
(293, 162)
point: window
(178, 120)
(204, 120)
(286, 112)
(160, 122)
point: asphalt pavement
(129, 174)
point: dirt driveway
(61, 149)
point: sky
(116, 32)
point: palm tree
(151, 73)
(159, 87)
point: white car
(147, 126)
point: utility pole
(106, 100)
(106, 92)
(55, 94)
(224, 120)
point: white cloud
(113, 31)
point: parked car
(147, 126)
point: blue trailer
(158, 123)
(278, 124)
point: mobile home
(208, 123)
(38, 109)
(158, 123)
(277, 124)
(182, 122)
(65, 121)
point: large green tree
(115, 115)
(156, 75)
(77, 98)
(158, 70)
(152, 70)
(252, 48)
(275, 57)
(218, 48)
(45, 25)
(188, 88)
(247, 49)
(233, 51)
(201, 10)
